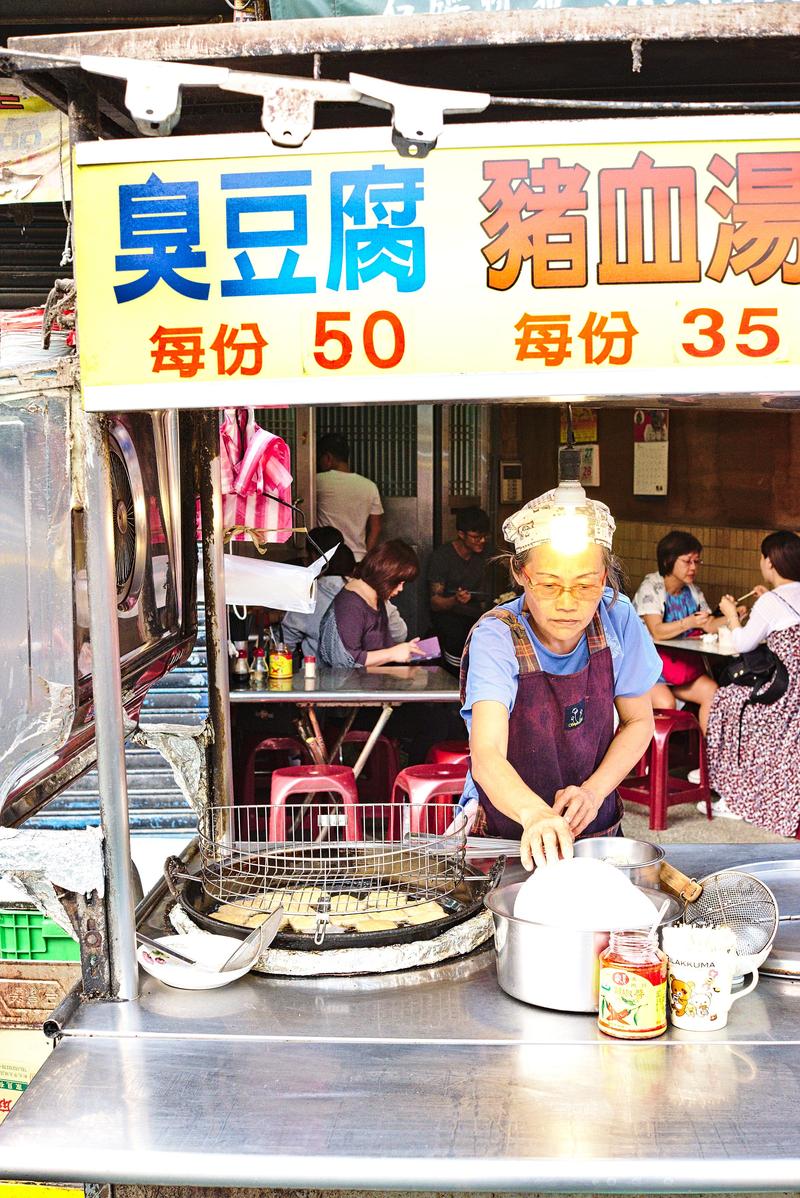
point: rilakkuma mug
(702, 966)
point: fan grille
(124, 524)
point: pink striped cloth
(255, 470)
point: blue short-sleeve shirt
(494, 670)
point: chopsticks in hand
(742, 598)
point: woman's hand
(760, 590)
(727, 605)
(546, 837)
(578, 805)
(407, 650)
(699, 620)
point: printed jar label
(280, 665)
(631, 1007)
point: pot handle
(673, 881)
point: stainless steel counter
(432, 1079)
(372, 686)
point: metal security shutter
(383, 444)
(31, 243)
(156, 804)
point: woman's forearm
(380, 657)
(503, 785)
(627, 747)
(666, 630)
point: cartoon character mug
(702, 966)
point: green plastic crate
(27, 935)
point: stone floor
(685, 824)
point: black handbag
(761, 670)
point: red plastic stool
(286, 746)
(314, 779)
(448, 752)
(422, 784)
(654, 787)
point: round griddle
(461, 903)
(783, 879)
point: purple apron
(560, 728)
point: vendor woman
(540, 678)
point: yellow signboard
(591, 259)
(34, 148)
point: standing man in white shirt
(345, 500)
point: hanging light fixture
(571, 520)
(565, 517)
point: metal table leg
(369, 744)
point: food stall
(413, 260)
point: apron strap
(523, 646)
(596, 634)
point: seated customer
(751, 746)
(303, 629)
(455, 580)
(354, 631)
(671, 604)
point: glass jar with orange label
(633, 987)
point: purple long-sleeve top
(350, 629)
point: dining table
(381, 687)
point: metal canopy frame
(684, 51)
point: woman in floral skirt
(753, 749)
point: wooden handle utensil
(679, 884)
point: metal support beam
(106, 672)
(108, 713)
(221, 763)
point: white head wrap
(530, 526)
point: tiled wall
(730, 555)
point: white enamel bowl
(205, 949)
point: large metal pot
(639, 859)
(548, 966)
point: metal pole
(108, 713)
(104, 638)
(219, 708)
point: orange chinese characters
(648, 224)
(761, 228)
(250, 343)
(532, 219)
(597, 330)
(177, 349)
(545, 337)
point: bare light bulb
(569, 527)
(569, 533)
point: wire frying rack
(741, 902)
(324, 861)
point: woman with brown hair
(355, 629)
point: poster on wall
(34, 148)
(650, 452)
(584, 426)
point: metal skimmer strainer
(745, 905)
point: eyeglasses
(477, 536)
(691, 561)
(581, 592)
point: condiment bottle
(280, 662)
(241, 669)
(633, 987)
(310, 666)
(258, 670)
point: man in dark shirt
(456, 582)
